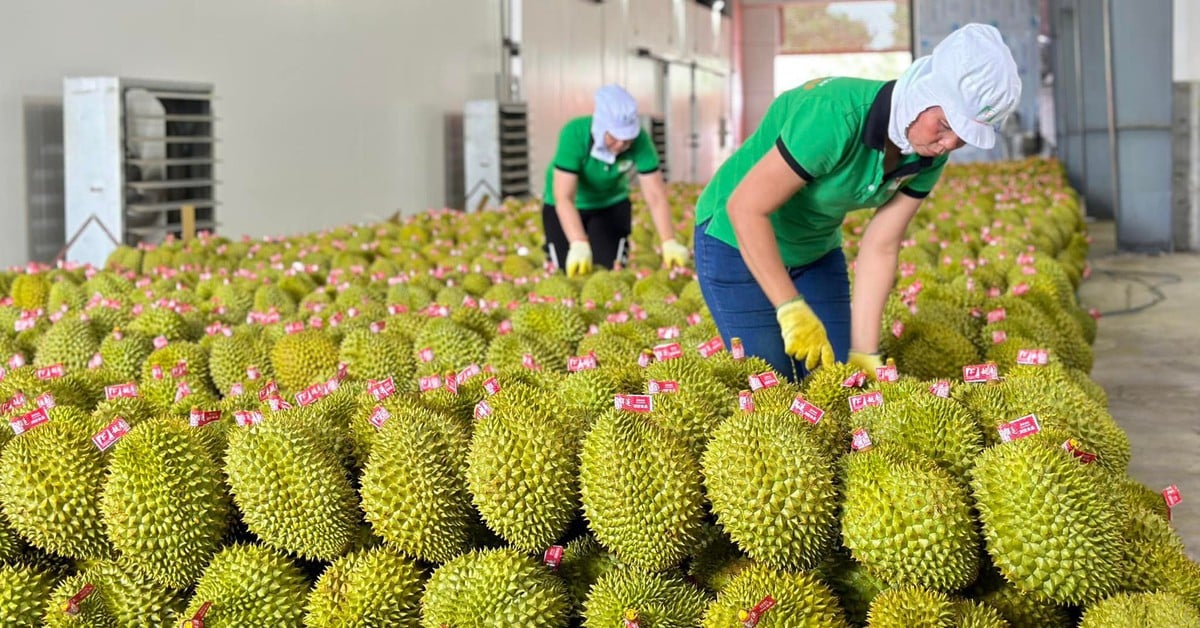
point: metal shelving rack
(656, 126)
(138, 154)
(496, 152)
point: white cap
(616, 113)
(975, 80)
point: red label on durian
(160, 342)
(941, 388)
(379, 416)
(213, 329)
(645, 358)
(293, 327)
(712, 347)
(528, 361)
(246, 418)
(51, 372)
(857, 380)
(553, 556)
(762, 380)
(1071, 445)
(668, 351)
(197, 620)
(28, 421)
(865, 400)
(888, 373)
(382, 389)
(668, 333)
(1020, 428)
(634, 403)
(582, 362)
(861, 440)
(655, 387)
(746, 401)
(1033, 357)
(108, 436)
(425, 354)
(811, 413)
(182, 391)
(200, 418)
(693, 318)
(491, 386)
(996, 315)
(16, 361)
(17, 401)
(736, 349)
(45, 400)
(311, 395)
(429, 382)
(482, 410)
(999, 336)
(979, 373)
(270, 388)
(751, 617)
(179, 370)
(72, 607)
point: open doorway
(862, 38)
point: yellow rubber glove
(803, 334)
(866, 362)
(674, 253)
(579, 259)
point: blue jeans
(741, 309)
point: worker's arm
(763, 190)
(564, 206)
(875, 269)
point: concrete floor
(1149, 362)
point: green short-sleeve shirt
(599, 184)
(833, 133)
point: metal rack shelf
(495, 152)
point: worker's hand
(803, 334)
(866, 362)
(579, 259)
(674, 253)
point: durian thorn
(631, 614)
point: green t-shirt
(833, 132)
(599, 185)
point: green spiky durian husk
(508, 350)
(1156, 559)
(70, 342)
(697, 408)
(641, 490)
(122, 597)
(772, 489)
(291, 488)
(50, 486)
(454, 347)
(30, 292)
(230, 357)
(941, 430)
(497, 588)
(1053, 525)
(372, 356)
(375, 587)
(250, 585)
(855, 585)
(124, 352)
(908, 521)
(553, 321)
(583, 562)
(801, 599)
(522, 469)
(157, 321)
(930, 351)
(413, 486)
(1127, 610)
(165, 506)
(653, 600)
(911, 607)
(24, 590)
(304, 358)
(972, 614)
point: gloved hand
(579, 259)
(674, 253)
(803, 334)
(866, 362)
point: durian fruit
(1141, 610)
(291, 488)
(641, 490)
(500, 588)
(375, 587)
(304, 358)
(854, 584)
(697, 408)
(583, 562)
(1025, 610)
(453, 347)
(801, 599)
(24, 590)
(230, 358)
(413, 487)
(123, 352)
(122, 597)
(155, 321)
(30, 291)
(908, 521)
(69, 342)
(523, 467)
(509, 350)
(715, 559)
(1053, 525)
(50, 486)
(652, 600)
(972, 614)
(164, 505)
(377, 356)
(939, 429)
(1156, 560)
(929, 350)
(772, 489)
(250, 585)
(553, 321)
(911, 607)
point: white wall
(1186, 38)
(572, 47)
(330, 111)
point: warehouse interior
(133, 128)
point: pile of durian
(413, 423)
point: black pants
(607, 230)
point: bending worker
(586, 214)
(769, 224)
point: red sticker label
(160, 342)
(379, 416)
(996, 315)
(72, 607)
(252, 373)
(24, 324)
(505, 327)
(213, 329)
(482, 410)
(581, 362)
(897, 329)
(96, 362)
(452, 383)
(655, 387)
(941, 388)
(1020, 428)
(382, 389)
(271, 388)
(645, 358)
(766, 379)
(979, 373)
(811, 413)
(426, 355)
(28, 421)
(197, 620)
(311, 395)
(1020, 289)
(529, 362)
(1094, 313)
(865, 400)
(1033, 357)
(861, 440)
(17, 401)
(293, 327)
(246, 418)
(736, 349)
(429, 382)
(45, 400)
(746, 401)
(668, 333)
(179, 370)
(108, 436)
(491, 386)
(1172, 496)
(999, 336)
(51, 372)
(887, 373)
(751, 617)
(16, 361)
(237, 388)
(182, 391)
(200, 418)
(553, 556)
(668, 351)
(634, 403)
(156, 371)
(857, 380)
(1072, 446)
(712, 347)
(693, 318)
(617, 317)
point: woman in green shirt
(769, 223)
(586, 214)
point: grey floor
(1148, 359)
